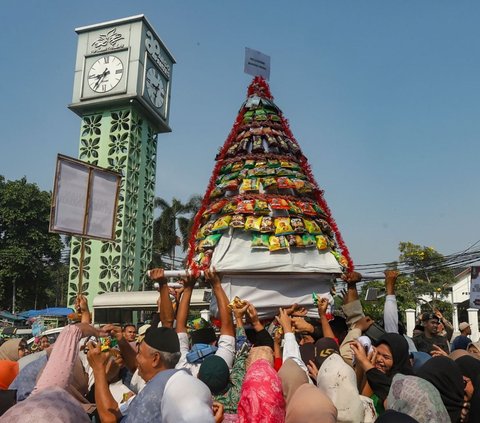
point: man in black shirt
(430, 337)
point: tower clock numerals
(105, 74)
(155, 87)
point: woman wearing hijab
(10, 352)
(445, 375)
(50, 391)
(310, 405)
(337, 379)
(417, 398)
(292, 377)
(470, 367)
(390, 357)
(261, 399)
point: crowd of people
(340, 367)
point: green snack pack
(260, 240)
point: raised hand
(285, 320)
(322, 306)
(240, 312)
(391, 273)
(157, 275)
(301, 325)
(351, 278)
(113, 331)
(212, 277)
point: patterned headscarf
(418, 398)
(261, 399)
(53, 405)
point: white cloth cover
(269, 291)
(234, 254)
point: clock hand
(101, 78)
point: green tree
(172, 228)
(428, 275)
(29, 254)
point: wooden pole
(80, 267)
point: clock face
(156, 88)
(105, 74)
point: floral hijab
(261, 399)
(418, 398)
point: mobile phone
(374, 332)
(93, 340)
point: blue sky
(383, 97)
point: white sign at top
(257, 64)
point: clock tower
(122, 93)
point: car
(52, 335)
(16, 332)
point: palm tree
(172, 228)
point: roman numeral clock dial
(155, 87)
(105, 74)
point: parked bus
(138, 306)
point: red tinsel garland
(259, 87)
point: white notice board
(84, 201)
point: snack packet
(237, 166)
(307, 208)
(252, 223)
(221, 223)
(260, 240)
(312, 227)
(267, 225)
(245, 206)
(205, 230)
(238, 221)
(278, 203)
(285, 183)
(309, 240)
(249, 164)
(277, 243)
(297, 225)
(282, 226)
(291, 239)
(250, 185)
(236, 303)
(210, 241)
(322, 243)
(261, 207)
(230, 207)
(269, 183)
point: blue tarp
(54, 311)
(9, 316)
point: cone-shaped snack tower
(263, 217)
